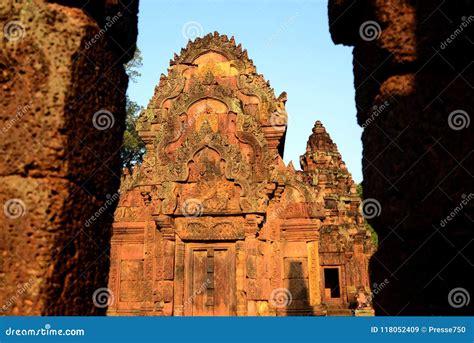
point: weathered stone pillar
(254, 306)
(314, 273)
(240, 261)
(413, 77)
(62, 116)
(178, 309)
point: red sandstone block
(168, 309)
(295, 249)
(132, 291)
(251, 267)
(167, 291)
(252, 289)
(264, 289)
(131, 251)
(131, 270)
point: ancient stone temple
(214, 223)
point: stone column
(62, 109)
(240, 272)
(251, 264)
(412, 76)
(148, 267)
(314, 273)
(178, 300)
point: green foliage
(359, 190)
(133, 148)
(368, 227)
(373, 233)
(132, 66)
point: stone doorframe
(180, 279)
(211, 285)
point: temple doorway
(209, 279)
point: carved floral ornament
(208, 228)
(249, 83)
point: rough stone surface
(213, 223)
(57, 168)
(414, 80)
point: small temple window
(331, 282)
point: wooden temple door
(209, 280)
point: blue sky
(290, 45)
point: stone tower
(213, 222)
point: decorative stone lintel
(210, 228)
(300, 230)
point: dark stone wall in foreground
(413, 71)
(62, 111)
